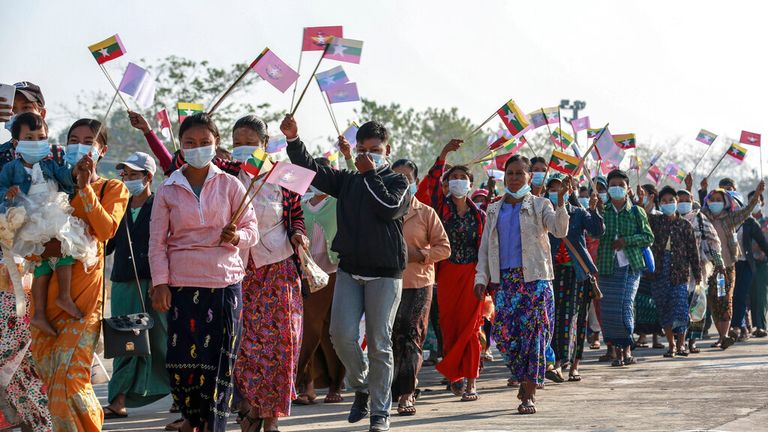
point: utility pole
(575, 107)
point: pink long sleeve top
(184, 249)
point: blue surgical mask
(242, 153)
(520, 192)
(75, 152)
(413, 188)
(553, 198)
(200, 157)
(9, 123)
(603, 197)
(684, 208)
(378, 159)
(645, 201)
(716, 207)
(135, 187)
(33, 151)
(617, 192)
(458, 187)
(584, 201)
(668, 209)
(537, 178)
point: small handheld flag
(545, 116)
(593, 133)
(654, 174)
(257, 163)
(706, 137)
(316, 38)
(675, 173)
(346, 50)
(750, 138)
(580, 124)
(138, 83)
(513, 118)
(561, 138)
(343, 93)
(107, 50)
(564, 163)
(186, 109)
(163, 122)
(274, 71)
(331, 78)
(625, 141)
(737, 152)
(291, 177)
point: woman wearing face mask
(677, 262)
(196, 267)
(572, 290)
(538, 171)
(427, 244)
(101, 204)
(646, 314)
(271, 292)
(726, 216)
(460, 313)
(620, 262)
(319, 366)
(515, 262)
(136, 381)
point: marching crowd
(538, 266)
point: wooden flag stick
(106, 115)
(760, 150)
(546, 120)
(327, 103)
(229, 90)
(718, 162)
(314, 71)
(114, 86)
(298, 70)
(173, 135)
(592, 146)
(693, 171)
(477, 129)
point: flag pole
(327, 103)
(229, 90)
(477, 129)
(106, 115)
(173, 135)
(592, 146)
(298, 70)
(317, 66)
(718, 162)
(114, 86)
(693, 171)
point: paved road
(714, 390)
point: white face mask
(242, 153)
(458, 187)
(200, 157)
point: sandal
(469, 396)
(630, 361)
(457, 387)
(406, 410)
(304, 399)
(574, 378)
(669, 354)
(110, 414)
(682, 353)
(251, 424)
(693, 349)
(617, 363)
(527, 407)
(552, 375)
(717, 344)
(595, 345)
(727, 342)
(333, 398)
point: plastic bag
(698, 303)
(316, 278)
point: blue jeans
(741, 294)
(379, 300)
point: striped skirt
(617, 307)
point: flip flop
(526, 408)
(727, 342)
(406, 411)
(617, 363)
(304, 399)
(333, 398)
(469, 397)
(574, 378)
(594, 346)
(553, 376)
(630, 361)
(109, 414)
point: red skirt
(460, 321)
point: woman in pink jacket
(196, 274)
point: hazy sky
(661, 69)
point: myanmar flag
(108, 49)
(564, 163)
(561, 138)
(737, 152)
(625, 141)
(513, 118)
(346, 50)
(187, 109)
(706, 137)
(750, 138)
(257, 163)
(593, 133)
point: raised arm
(327, 179)
(739, 216)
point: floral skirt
(524, 324)
(671, 300)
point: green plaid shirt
(632, 226)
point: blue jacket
(14, 174)
(580, 220)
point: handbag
(595, 288)
(315, 277)
(127, 335)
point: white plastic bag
(316, 278)
(698, 305)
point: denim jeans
(379, 300)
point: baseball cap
(138, 161)
(480, 192)
(30, 91)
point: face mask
(684, 207)
(9, 123)
(75, 152)
(200, 157)
(584, 201)
(378, 159)
(537, 178)
(617, 192)
(520, 192)
(243, 153)
(553, 198)
(458, 187)
(645, 201)
(135, 187)
(716, 207)
(412, 188)
(668, 209)
(603, 197)
(33, 151)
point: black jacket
(369, 213)
(122, 270)
(751, 232)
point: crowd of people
(539, 265)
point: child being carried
(46, 185)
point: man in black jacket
(371, 204)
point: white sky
(661, 69)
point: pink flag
(343, 93)
(274, 71)
(580, 124)
(654, 174)
(607, 150)
(750, 138)
(164, 120)
(291, 177)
